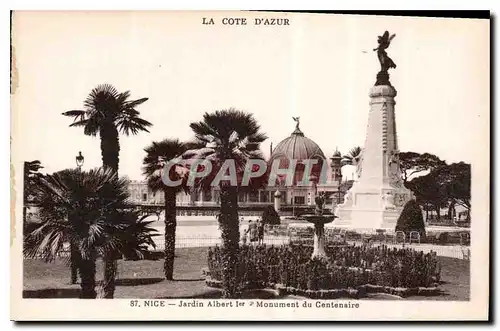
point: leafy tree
(108, 112)
(74, 208)
(412, 163)
(157, 154)
(228, 135)
(270, 216)
(411, 219)
(456, 180)
(428, 191)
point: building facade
(293, 198)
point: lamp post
(73, 252)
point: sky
(320, 67)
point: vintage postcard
(249, 166)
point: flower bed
(347, 267)
(353, 293)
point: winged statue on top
(383, 43)
(386, 62)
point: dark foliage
(353, 157)
(75, 208)
(30, 180)
(157, 155)
(270, 216)
(412, 163)
(411, 219)
(229, 135)
(108, 112)
(345, 267)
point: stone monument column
(377, 168)
(378, 196)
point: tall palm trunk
(110, 150)
(74, 257)
(87, 273)
(170, 227)
(110, 267)
(230, 231)
(74, 253)
(110, 146)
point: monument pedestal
(372, 210)
(377, 198)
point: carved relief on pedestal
(394, 170)
(396, 182)
(400, 199)
(388, 200)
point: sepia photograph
(246, 165)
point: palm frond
(352, 157)
(227, 134)
(31, 167)
(158, 154)
(105, 106)
(77, 206)
(77, 115)
(134, 237)
(122, 98)
(79, 123)
(133, 103)
(132, 125)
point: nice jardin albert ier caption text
(245, 21)
(248, 303)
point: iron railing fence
(456, 245)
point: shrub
(411, 219)
(270, 216)
(345, 267)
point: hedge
(345, 267)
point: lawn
(136, 279)
(455, 280)
(144, 279)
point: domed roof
(297, 147)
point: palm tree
(228, 134)
(353, 157)
(157, 154)
(108, 112)
(74, 208)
